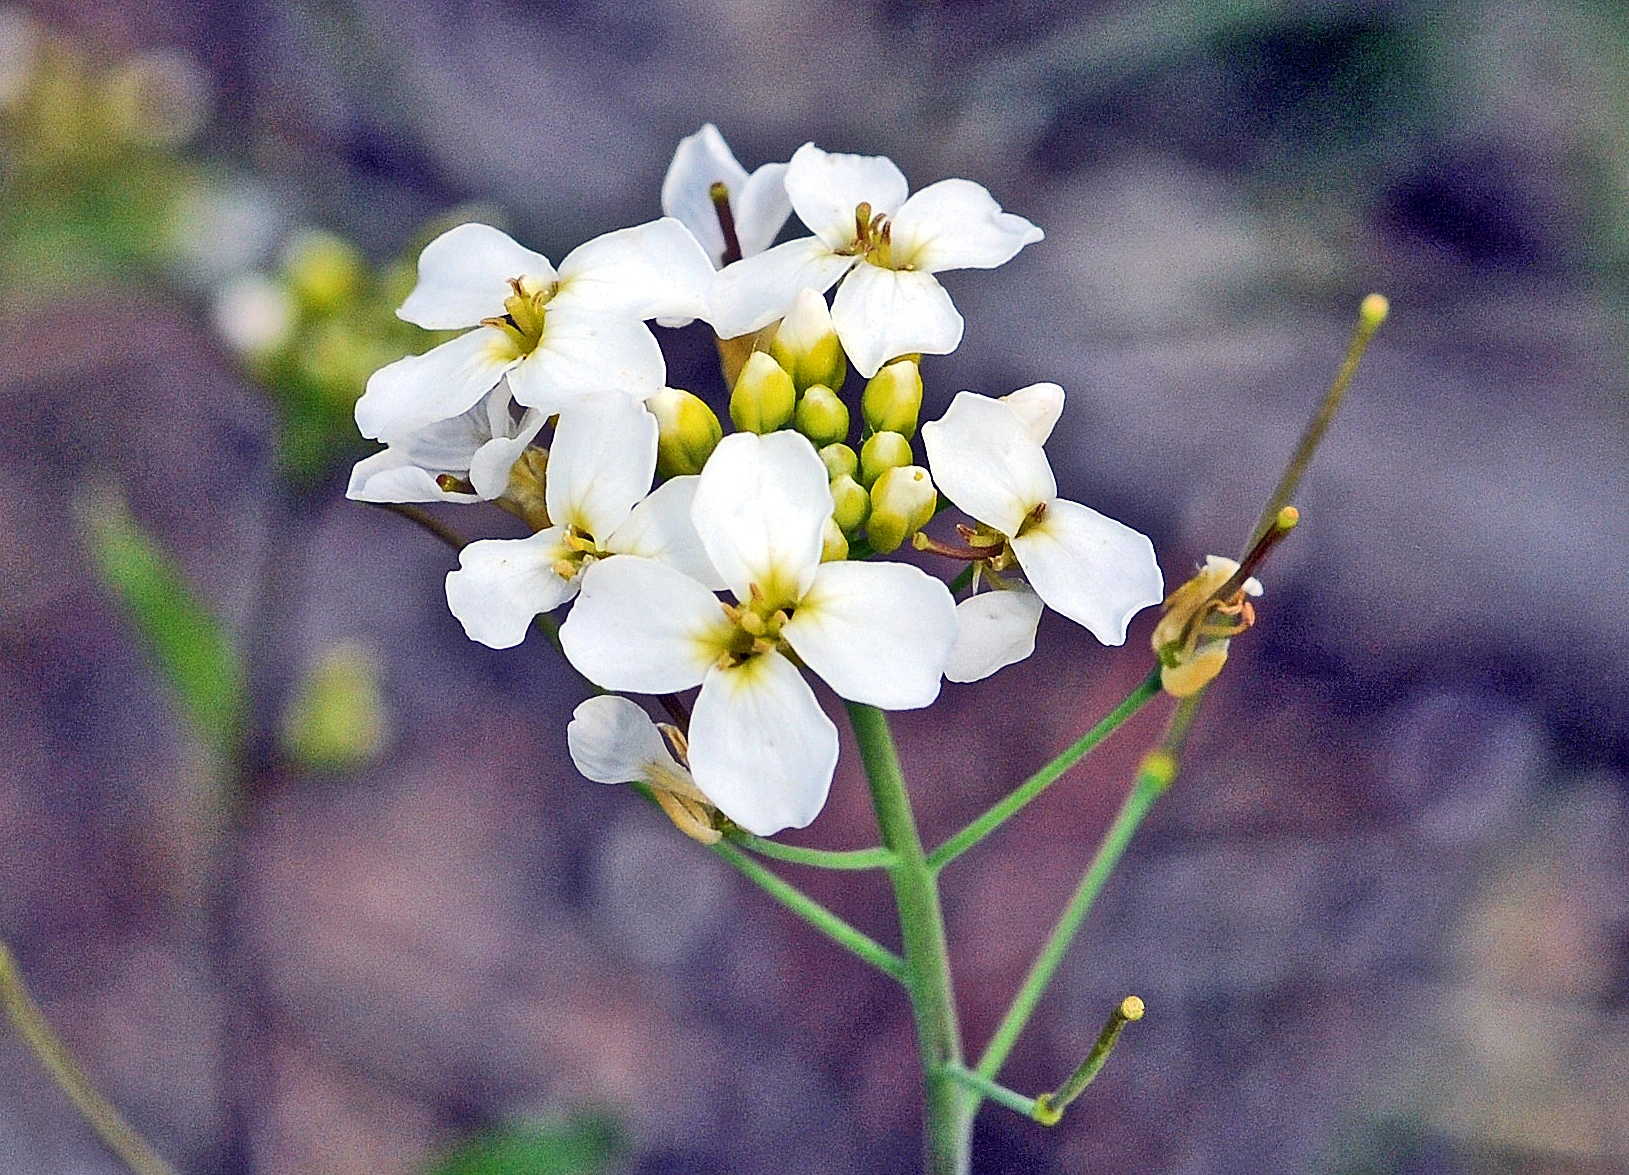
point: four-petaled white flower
(889, 247)
(600, 469)
(761, 748)
(758, 202)
(478, 447)
(560, 335)
(1096, 571)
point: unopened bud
(323, 270)
(902, 503)
(687, 431)
(822, 416)
(852, 504)
(806, 345)
(893, 398)
(335, 720)
(841, 461)
(881, 452)
(764, 397)
(834, 548)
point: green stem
(994, 1090)
(1004, 810)
(947, 1107)
(878, 858)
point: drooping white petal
(761, 207)
(984, 459)
(501, 584)
(761, 507)
(1038, 406)
(700, 161)
(994, 630)
(393, 476)
(881, 314)
(1096, 571)
(419, 390)
(761, 748)
(660, 528)
(601, 463)
(647, 271)
(825, 188)
(464, 277)
(489, 468)
(956, 224)
(879, 633)
(753, 293)
(585, 353)
(643, 627)
(612, 740)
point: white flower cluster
(645, 512)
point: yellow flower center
(523, 312)
(755, 628)
(581, 550)
(873, 238)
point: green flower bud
(840, 460)
(764, 397)
(883, 451)
(822, 416)
(687, 432)
(902, 503)
(852, 503)
(834, 548)
(893, 398)
(806, 344)
(323, 270)
(335, 721)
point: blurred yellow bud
(852, 503)
(840, 461)
(323, 271)
(336, 718)
(893, 398)
(764, 398)
(822, 416)
(881, 452)
(806, 344)
(834, 546)
(688, 431)
(902, 503)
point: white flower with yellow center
(560, 335)
(761, 748)
(1098, 572)
(890, 304)
(600, 469)
(466, 458)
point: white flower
(613, 741)
(759, 204)
(600, 469)
(761, 748)
(888, 246)
(560, 335)
(1096, 571)
(478, 447)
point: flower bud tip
(1287, 518)
(1373, 311)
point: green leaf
(585, 1144)
(188, 643)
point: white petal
(753, 293)
(649, 271)
(881, 314)
(489, 467)
(879, 633)
(700, 161)
(501, 584)
(393, 476)
(1039, 407)
(585, 352)
(405, 396)
(611, 740)
(643, 627)
(660, 528)
(984, 459)
(956, 224)
(826, 188)
(1096, 571)
(994, 630)
(464, 277)
(761, 748)
(601, 462)
(761, 509)
(761, 207)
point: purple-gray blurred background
(1382, 921)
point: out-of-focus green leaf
(189, 644)
(582, 1145)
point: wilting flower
(613, 741)
(889, 247)
(560, 335)
(761, 748)
(1096, 571)
(1192, 638)
(757, 203)
(600, 469)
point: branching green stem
(994, 1090)
(847, 859)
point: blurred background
(1382, 921)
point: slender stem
(25, 1015)
(878, 858)
(815, 914)
(1014, 802)
(427, 520)
(948, 1109)
(994, 1090)
(1049, 1107)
